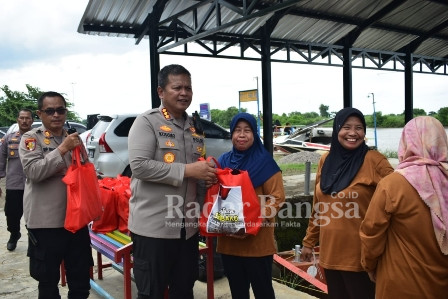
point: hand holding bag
(83, 192)
(231, 206)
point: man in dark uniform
(11, 167)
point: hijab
(423, 161)
(256, 159)
(342, 165)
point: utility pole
(374, 117)
(73, 92)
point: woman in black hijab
(345, 182)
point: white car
(84, 135)
(107, 143)
(80, 128)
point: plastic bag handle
(209, 159)
(76, 155)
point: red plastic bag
(115, 194)
(231, 206)
(124, 194)
(83, 193)
(109, 220)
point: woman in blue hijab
(247, 259)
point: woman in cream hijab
(404, 234)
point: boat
(309, 138)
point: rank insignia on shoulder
(165, 128)
(169, 157)
(166, 114)
(47, 141)
(30, 144)
(192, 129)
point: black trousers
(162, 263)
(349, 285)
(46, 250)
(13, 209)
(243, 272)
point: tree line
(223, 117)
(13, 101)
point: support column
(347, 77)
(154, 65)
(266, 83)
(408, 88)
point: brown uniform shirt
(398, 241)
(263, 243)
(336, 218)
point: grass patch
(296, 168)
(390, 154)
(299, 168)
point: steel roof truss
(198, 34)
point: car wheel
(127, 172)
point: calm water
(388, 138)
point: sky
(40, 46)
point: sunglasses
(51, 111)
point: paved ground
(15, 281)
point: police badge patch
(30, 144)
(169, 157)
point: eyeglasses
(51, 111)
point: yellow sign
(248, 95)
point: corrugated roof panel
(227, 15)
(310, 30)
(351, 8)
(249, 27)
(175, 6)
(118, 13)
(433, 47)
(417, 14)
(382, 39)
(303, 24)
(444, 31)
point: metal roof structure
(399, 35)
